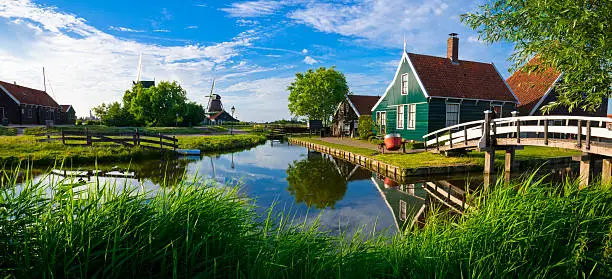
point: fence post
(579, 134)
(588, 135)
(88, 136)
(161, 144)
(134, 137)
(63, 140)
(174, 142)
(545, 131)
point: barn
(20, 105)
(345, 119)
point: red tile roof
(65, 107)
(466, 79)
(26, 95)
(363, 104)
(531, 87)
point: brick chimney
(452, 47)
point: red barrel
(393, 141)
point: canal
(305, 185)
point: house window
(411, 116)
(400, 116)
(405, 84)
(497, 109)
(29, 113)
(1, 113)
(452, 114)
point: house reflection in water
(411, 201)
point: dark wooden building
(27, 106)
(68, 115)
(537, 88)
(346, 117)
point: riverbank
(428, 163)
(526, 229)
(109, 129)
(14, 149)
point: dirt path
(364, 144)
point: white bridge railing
(583, 131)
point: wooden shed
(345, 120)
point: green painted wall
(469, 110)
(430, 114)
(394, 97)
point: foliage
(526, 229)
(316, 181)
(571, 36)
(221, 142)
(7, 131)
(366, 124)
(316, 94)
(165, 104)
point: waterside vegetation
(427, 159)
(526, 229)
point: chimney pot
(452, 47)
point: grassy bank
(221, 142)
(7, 131)
(16, 149)
(108, 129)
(427, 159)
(527, 229)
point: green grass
(108, 129)
(221, 142)
(7, 131)
(427, 159)
(16, 149)
(528, 229)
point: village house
(21, 105)
(536, 89)
(429, 93)
(345, 120)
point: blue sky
(90, 49)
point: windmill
(214, 101)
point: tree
(316, 94)
(160, 105)
(316, 182)
(114, 114)
(366, 124)
(574, 37)
(193, 114)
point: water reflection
(343, 197)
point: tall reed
(64, 229)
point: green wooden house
(429, 93)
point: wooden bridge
(590, 135)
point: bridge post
(486, 143)
(518, 126)
(606, 171)
(509, 159)
(489, 160)
(585, 169)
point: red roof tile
(531, 87)
(26, 95)
(466, 79)
(363, 104)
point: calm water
(308, 184)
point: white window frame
(458, 113)
(411, 116)
(404, 89)
(400, 118)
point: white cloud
(309, 60)
(475, 39)
(124, 29)
(246, 22)
(253, 8)
(161, 30)
(192, 27)
(258, 100)
(304, 51)
(87, 66)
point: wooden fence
(128, 139)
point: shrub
(365, 126)
(6, 131)
(78, 122)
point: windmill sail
(139, 69)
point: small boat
(393, 142)
(188, 152)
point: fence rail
(129, 139)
